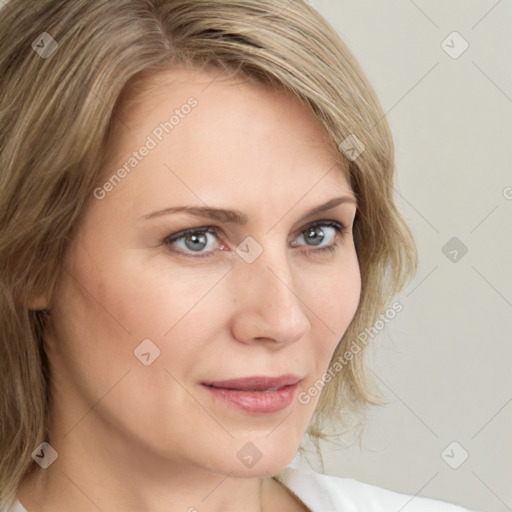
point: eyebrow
(236, 216)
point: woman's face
(144, 317)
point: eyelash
(340, 228)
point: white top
(324, 493)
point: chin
(256, 457)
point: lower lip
(256, 402)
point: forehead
(212, 136)
(250, 108)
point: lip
(255, 395)
(255, 383)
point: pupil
(316, 237)
(198, 241)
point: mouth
(256, 383)
(255, 395)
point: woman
(197, 220)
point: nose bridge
(271, 274)
(271, 305)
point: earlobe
(38, 303)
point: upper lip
(255, 383)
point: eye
(193, 240)
(192, 243)
(321, 235)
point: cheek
(144, 296)
(161, 299)
(333, 302)
(101, 315)
(109, 302)
(89, 341)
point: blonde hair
(56, 114)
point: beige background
(445, 361)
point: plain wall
(444, 362)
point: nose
(268, 305)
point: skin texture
(133, 437)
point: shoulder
(332, 494)
(15, 507)
(13, 504)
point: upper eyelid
(206, 227)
